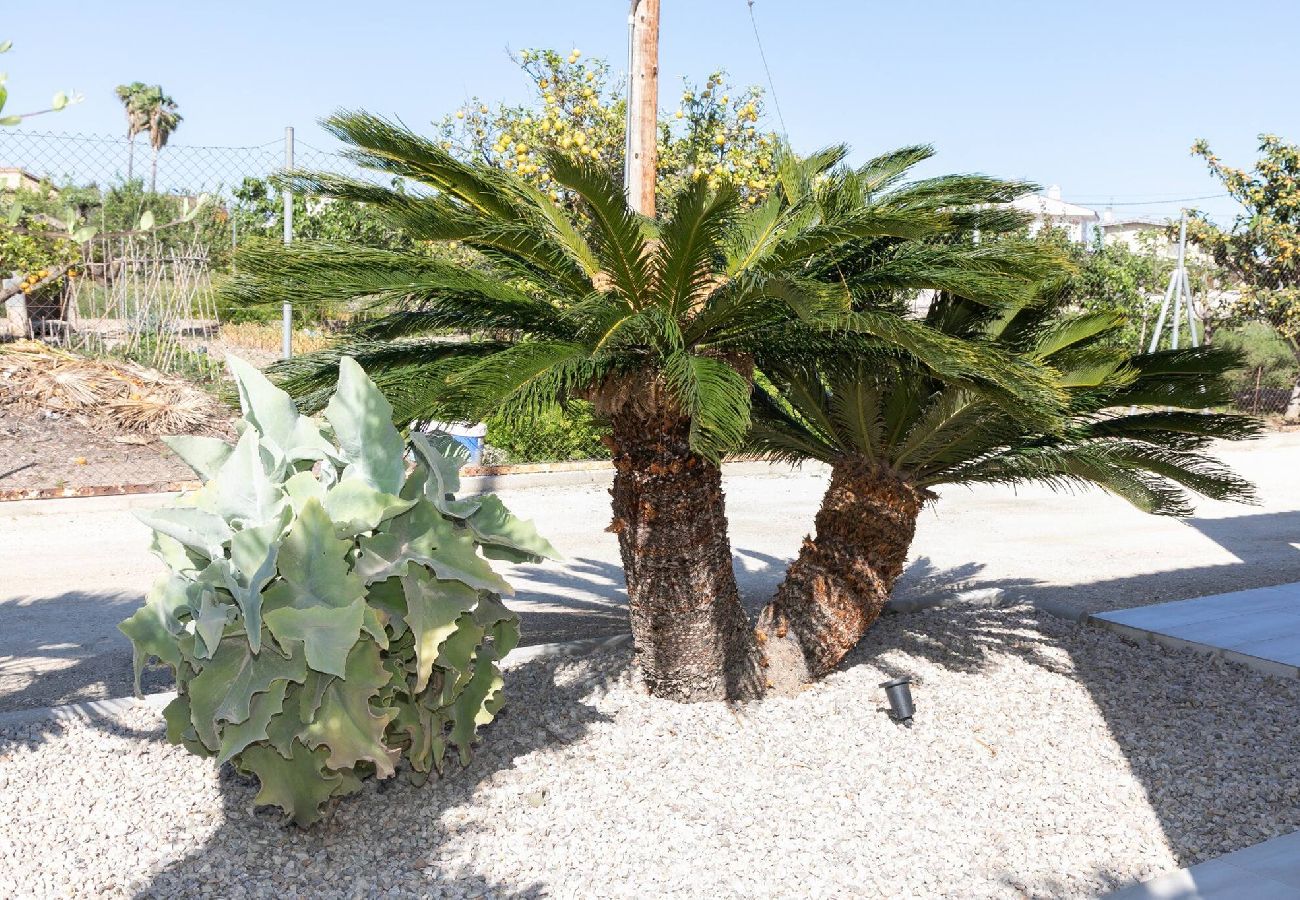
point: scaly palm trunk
(153, 172)
(692, 638)
(130, 158)
(838, 585)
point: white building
(1143, 234)
(1049, 210)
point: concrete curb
(99, 709)
(480, 480)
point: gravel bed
(1048, 760)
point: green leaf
(363, 424)
(345, 722)
(433, 609)
(204, 455)
(356, 506)
(235, 738)
(500, 622)
(424, 537)
(299, 785)
(146, 221)
(154, 627)
(84, 233)
(180, 728)
(59, 102)
(313, 563)
(205, 532)
(302, 487)
(288, 435)
(245, 493)
(493, 524)
(476, 705)
(253, 555)
(210, 620)
(11, 120)
(223, 690)
(327, 633)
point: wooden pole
(643, 107)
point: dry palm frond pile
(105, 395)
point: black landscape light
(899, 692)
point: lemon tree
(715, 134)
(1262, 248)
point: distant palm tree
(137, 118)
(164, 118)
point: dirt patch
(45, 449)
(68, 421)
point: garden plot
(1046, 760)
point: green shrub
(574, 433)
(327, 612)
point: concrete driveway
(70, 570)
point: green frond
(690, 244)
(715, 396)
(620, 237)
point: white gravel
(1048, 760)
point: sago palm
(657, 322)
(1137, 427)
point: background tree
(713, 135)
(163, 119)
(132, 97)
(1262, 248)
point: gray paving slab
(1266, 871)
(1258, 627)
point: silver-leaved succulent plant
(329, 605)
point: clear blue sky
(1103, 98)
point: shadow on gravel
(1216, 760)
(391, 837)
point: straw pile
(105, 395)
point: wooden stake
(643, 107)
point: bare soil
(45, 449)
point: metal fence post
(286, 343)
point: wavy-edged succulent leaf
(495, 526)
(442, 465)
(253, 557)
(300, 784)
(210, 619)
(456, 655)
(266, 705)
(180, 728)
(476, 705)
(301, 487)
(326, 633)
(363, 424)
(346, 723)
(198, 529)
(245, 493)
(500, 622)
(356, 506)
(153, 628)
(223, 690)
(288, 435)
(422, 536)
(174, 555)
(314, 566)
(205, 455)
(434, 608)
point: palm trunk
(692, 638)
(130, 159)
(839, 584)
(153, 172)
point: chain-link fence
(28, 158)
